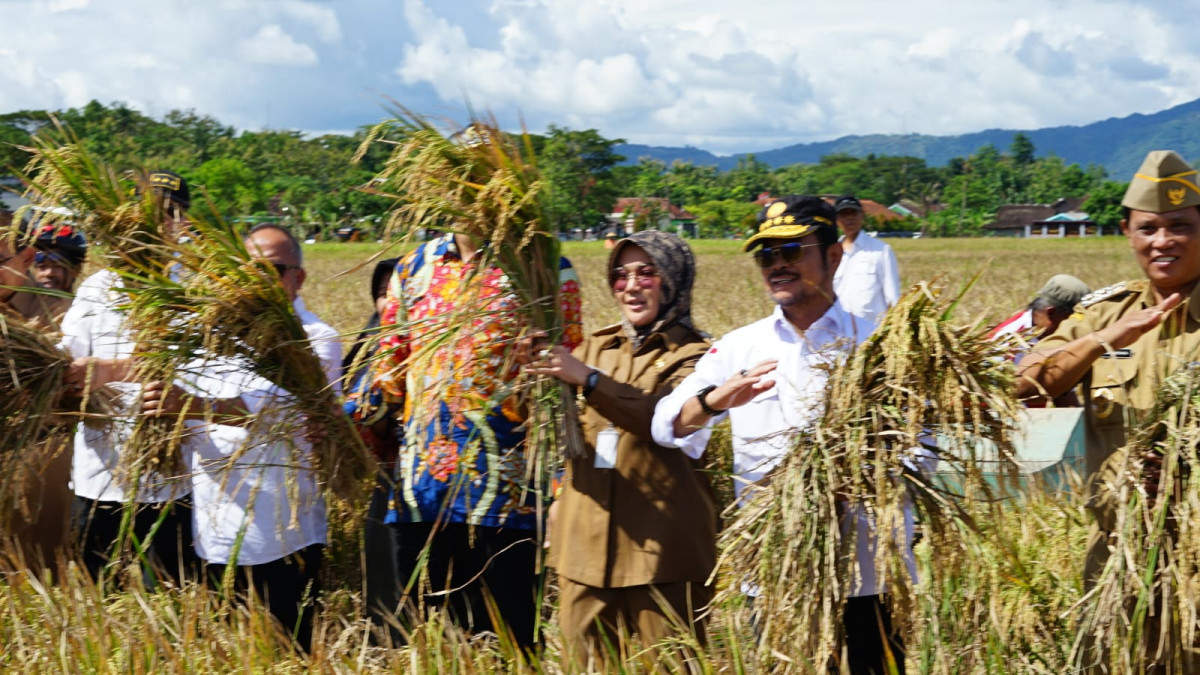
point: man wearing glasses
(769, 378)
(254, 507)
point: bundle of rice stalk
(196, 297)
(227, 305)
(1142, 614)
(486, 184)
(33, 401)
(921, 388)
(127, 229)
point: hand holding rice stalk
(919, 376)
(1142, 610)
(33, 401)
(201, 298)
(483, 184)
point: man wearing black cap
(95, 335)
(769, 378)
(868, 280)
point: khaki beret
(1165, 182)
(1064, 290)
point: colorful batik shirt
(463, 454)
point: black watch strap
(701, 396)
(589, 385)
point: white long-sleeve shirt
(243, 511)
(762, 429)
(94, 326)
(867, 281)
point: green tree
(1021, 150)
(724, 217)
(748, 179)
(578, 168)
(227, 185)
(1103, 204)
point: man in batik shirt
(461, 506)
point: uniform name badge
(606, 448)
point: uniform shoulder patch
(1106, 293)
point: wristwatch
(700, 396)
(589, 385)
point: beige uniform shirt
(1120, 388)
(651, 518)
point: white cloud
(56, 6)
(729, 78)
(320, 18)
(793, 72)
(271, 46)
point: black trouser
(868, 623)
(380, 590)
(483, 565)
(288, 587)
(162, 532)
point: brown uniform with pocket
(1121, 386)
(628, 537)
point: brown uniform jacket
(651, 519)
(1120, 388)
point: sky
(721, 75)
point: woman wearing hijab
(634, 528)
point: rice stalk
(1141, 613)
(486, 184)
(34, 404)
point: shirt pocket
(1108, 394)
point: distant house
(1063, 218)
(871, 209)
(630, 214)
(912, 209)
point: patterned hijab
(676, 267)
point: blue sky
(724, 76)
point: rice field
(1010, 609)
(729, 292)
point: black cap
(172, 185)
(847, 202)
(792, 217)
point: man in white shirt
(868, 280)
(96, 337)
(254, 506)
(769, 378)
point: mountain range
(1117, 144)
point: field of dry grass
(729, 289)
(1008, 612)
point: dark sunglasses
(788, 253)
(280, 268)
(618, 277)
